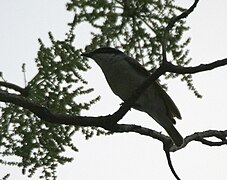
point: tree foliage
(135, 26)
(57, 86)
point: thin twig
(24, 73)
(171, 165)
(196, 69)
(22, 91)
(200, 136)
(170, 26)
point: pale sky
(129, 155)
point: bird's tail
(174, 134)
(170, 129)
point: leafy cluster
(137, 27)
(57, 85)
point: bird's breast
(123, 79)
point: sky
(128, 155)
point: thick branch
(43, 113)
(103, 121)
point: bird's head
(103, 54)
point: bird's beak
(85, 54)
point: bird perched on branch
(124, 74)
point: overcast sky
(128, 156)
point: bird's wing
(137, 66)
(170, 105)
(173, 111)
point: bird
(124, 75)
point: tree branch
(177, 18)
(201, 137)
(103, 121)
(22, 91)
(170, 163)
(171, 25)
(196, 69)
